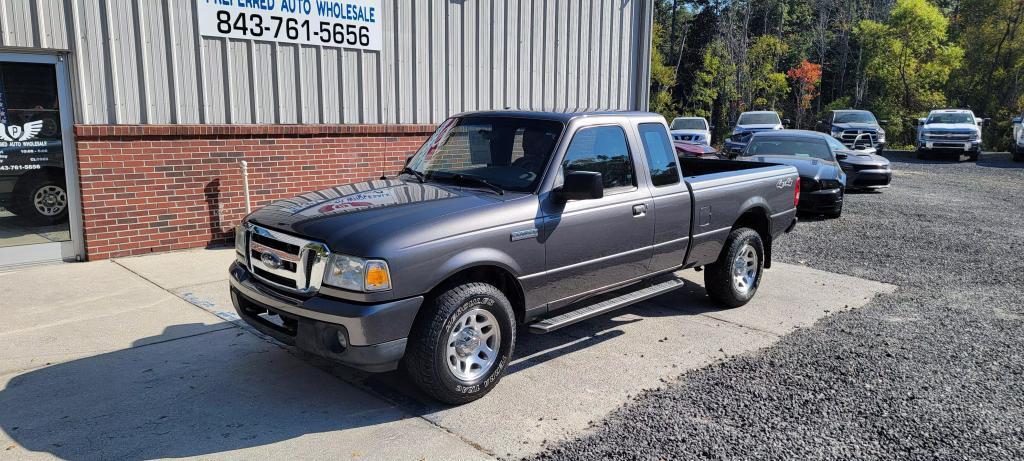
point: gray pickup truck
(503, 220)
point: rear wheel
(973, 156)
(732, 281)
(923, 154)
(459, 348)
(1018, 154)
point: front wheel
(732, 281)
(459, 347)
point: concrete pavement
(138, 358)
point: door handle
(639, 210)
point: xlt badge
(524, 234)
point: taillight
(796, 193)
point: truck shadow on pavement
(171, 396)
(174, 397)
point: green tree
(768, 86)
(663, 78)
(908, 59)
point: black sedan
(822, 180)
(865, 170)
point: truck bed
(725, 189)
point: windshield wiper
(415, 173)
(478, 180)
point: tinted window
(793, 147)
(759, 119)
(602, 149)
(661, 156)
(506, 151)
(835, 144)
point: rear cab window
(661, 156)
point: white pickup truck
(951, 131)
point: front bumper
(821, 201)
(958, 146)
(732, 148)
(376, 333)
(868, 179)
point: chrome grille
(284, 261)
(948, 136)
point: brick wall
(165, 187)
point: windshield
(508, 152)
(759, 119)
(689, 124)
(854, 117)
(951, 117)
(813, 148)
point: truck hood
(704, 132)
(961, 127)
(754, 128)
(344, 216)
(807, 167)
(856, 126)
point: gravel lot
(935, 370)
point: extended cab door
(593, 244)
(670, 196)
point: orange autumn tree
(807, 76)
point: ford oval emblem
(271, 260)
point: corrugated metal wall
(142, 61)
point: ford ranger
(503, 222)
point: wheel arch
(756, 217)
(493, 273)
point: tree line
(896, 58)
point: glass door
(39, 212)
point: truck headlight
(881, 136)
(240, 246)
(837, 133)
(357, 274)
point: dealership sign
(336, 23)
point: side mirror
(1016, 120)
(883, 122)
(840, 156)
(581, 185)
(786, 122)
(921, 121)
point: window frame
(560, 173)
(649, 160)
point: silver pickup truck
(503, 222)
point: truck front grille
(284, 261)
(859, 139)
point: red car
(692, 150)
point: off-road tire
(1018, 155)
(973, 156)
(923, 154)
(425, 356)
(718, 276)
(23, 200)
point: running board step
(607, 305)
